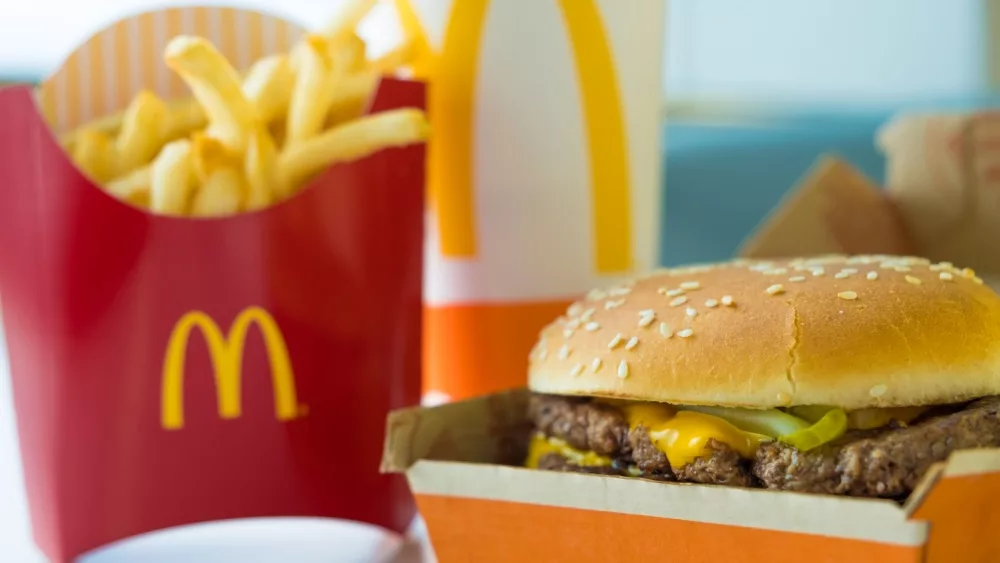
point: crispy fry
(315, 83)
(142, 131)
(172, 179)
(352, 141)
(268, 86)
(209, 154)
(352, 53)
(261, 169)
(342, 26)
(183, 117)
(221, 195)
(94, 154)
(216, 86)
(133, 188)
(351, 97)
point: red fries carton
(169, 370)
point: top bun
(853, 332)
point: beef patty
(886, 462)
(602, 428)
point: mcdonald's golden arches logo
(453, 72)
(226, 353)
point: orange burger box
(171, 370)
(462, 463)
(462, 460)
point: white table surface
(272, 540)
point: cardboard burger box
(462, 460)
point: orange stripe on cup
(472, 350)
(490, 531)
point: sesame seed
(968, 273)
(947, 276)
(665, 330)
(585, 317)
(690, 285)
(568, 333)
(775, 289)
(711, 303)
(727, 300)
(841, 275)
(620, 291)
(573, 324)
(614, 304)
(776, 272)
(878, 390)
(678, 301)
(849, 271)
(978, 280)
(662, 290)
(542, 354)
(647, 313)
(872, 275)
(595, 366)
(591, 326)
(902, 268)
(632, 343)
(946, 265)
(685, 332)
(596, 295)
(615, 341)
(913, 280)
(577, 370)
(564, 352)
(797, 279)
(574, 309)
(674, 292)
(848, 295)
(623, 369)
(691, 312)
(817, 272)
(646, 319)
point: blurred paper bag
(543, 171)
(173, 370)
(944, 175)
(834, 210)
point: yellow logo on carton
(226, 353)
(454, 72)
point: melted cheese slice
(541, 445)
(683, 436)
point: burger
(833, 375)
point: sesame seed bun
(864, 331)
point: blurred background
(768, 86)
(764, 86)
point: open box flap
(485, 429)
(959, 500)
(835, 209)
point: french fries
(352, 141)
(244, 141)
